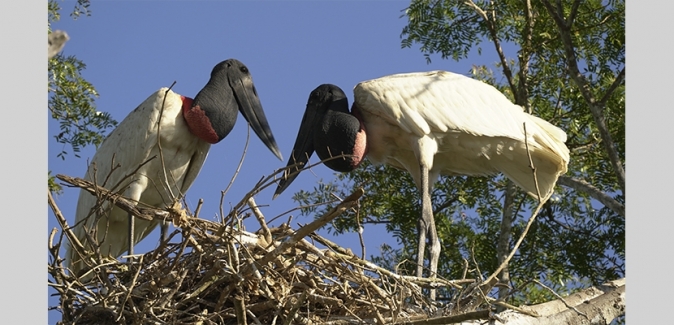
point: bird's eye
(244, 69)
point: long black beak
(251, 109)
(303, 148)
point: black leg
(164, 231)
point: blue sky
(289, 47)
(133, 48)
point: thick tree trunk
(503, 246)
(595, 305)
(590, 306)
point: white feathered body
(457, 125)
(130, 144)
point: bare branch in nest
(121, 202)
(308, 229)
(216, 273)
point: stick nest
(214, 273)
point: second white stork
(183, 129)
(429, 124)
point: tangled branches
(209, 272)
(215, 273)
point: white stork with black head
(430, 124)
(185, 128)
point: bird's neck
(355, 111)
(197, 121)
(187, 102)
(341, 134)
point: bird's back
(477, 129)
(129, 145)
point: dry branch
(597, 194)
(565, 28)
(218, 273)
(237, 277)
(123, 203)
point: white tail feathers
(519, 170)
(549, 156)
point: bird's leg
(428, 222)
(132, 230)
(164, 231)
(134, 193)
(421, 231)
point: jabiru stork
(429, 124)
(186, 128)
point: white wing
(441, 102)
(130, 144)
(482, 129)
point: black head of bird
(212, 114)
(327, 127)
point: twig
(531, 219)
(585, 187)
(313, 226)
(560, 298)
(292, 313)
(260, 218)
(128, 294)
(474, 315)
(161, 151)
(515, 308)
(123, 203)
(533, 168)
(491, 26)
(238, 168)
(240, 307)
(579, 79)
(74, 242)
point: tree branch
(123, 203)
(574, 12)
(445, 205)
(304, 231)
(522, 96)
(595, 108)
(585, 187)
(618, 80)
(601, 305)
(505, 235)
(494, 37)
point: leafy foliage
(575, 240)
(71, 97)
(72, 104)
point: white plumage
(466, 126)
(133, 142)
(442, 123)
(185, 129)
(430, 124)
